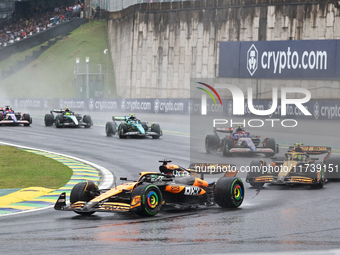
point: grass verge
(51, 75)
(22, 169)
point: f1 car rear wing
(313, 150)
(224, 130)
(120, 118)
(213, 168)
(56, 110)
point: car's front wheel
(83, 191)
(59, 121)
(27, 117)
(151, 199)
(122, 129)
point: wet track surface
(275, 218)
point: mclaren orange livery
(297, 167)
(173, 186)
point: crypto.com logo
(204, 97)
(252, 59)
(239, 101)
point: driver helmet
(298, 157)
(239, 129)
(132, 116)
(67, 111)
(298, 149)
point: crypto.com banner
(303, 59)
(154, 105)
(327, 109)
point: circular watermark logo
(91, 104)
(156, 106)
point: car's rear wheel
(87, 120)
(211, 143)
(110, 128)
(83, 191)
(227, 144)
(49, 119)
(255, 170)
(229, 192)
(157, 129)
(151, 199)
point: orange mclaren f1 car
(297, 167)
(173, 186)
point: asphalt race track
(272, 219)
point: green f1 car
(130, 126)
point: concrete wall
(159, 49)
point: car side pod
(61, 202)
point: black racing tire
(227, 144)
(270, 143)
(49, 120)
(151, 199)
(122, 129)
(1, 116)
(110, 128)
(157, 129)
(27, 117)
(211, 143)
(59, 121)
(229, 192)
(255, 171)
(83, 191)
(316, 171)
(87, 120)
(145, 126)
(333, 169)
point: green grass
(22, 169)
(16, 58)
(51, 75)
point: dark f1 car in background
(67, 118)
(297, 167)
(131, 126)
(173, 187)
(238, 140)
(9, 117)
